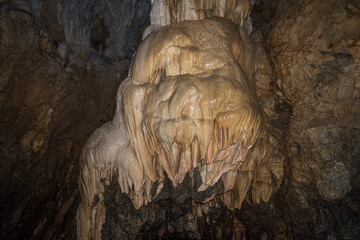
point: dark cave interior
(61, 63)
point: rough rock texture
(174, 214)
(122, 20)
(188, 103)
(52, 96)
(313, 47)
(308, 85)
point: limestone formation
(189, 102)
(61, 64)
(165, 12)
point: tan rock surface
(189, 102)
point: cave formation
(137, 119)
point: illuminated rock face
(165, 12)
(189, 102)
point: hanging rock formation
(61, 63)
(189, 102)
(165, 12)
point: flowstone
(189, 102)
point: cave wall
(308, 86)
(313, 49)
(61, 63)
(56, 87)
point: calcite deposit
(61, 63)
(189, 102)
(165, 12)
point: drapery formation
(189, 102)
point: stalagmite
(189, 102)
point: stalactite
(189, 102)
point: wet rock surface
(61, 63)
(309, 88)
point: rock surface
(54, 91)
(61, 63)
(313, 48)
(308, 86)
(188, 103)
